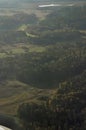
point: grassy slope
(13, 93)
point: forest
(43, 69)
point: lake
(54, 5)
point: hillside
(43, 67)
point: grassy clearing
(30, 48)
(2, 55)
(37, 49)
(13, 93)
(17, 51)
(20, 48)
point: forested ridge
(44, 55)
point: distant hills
(17, 3)
(50, 0)
(12, 1)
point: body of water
(54, 5)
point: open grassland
(14, 93)
(6, 51)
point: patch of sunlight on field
(3, 55)
(30, 35)
(32, 48)
(37, 49)
(22, 27)
(17, 51)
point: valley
(43, 65)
